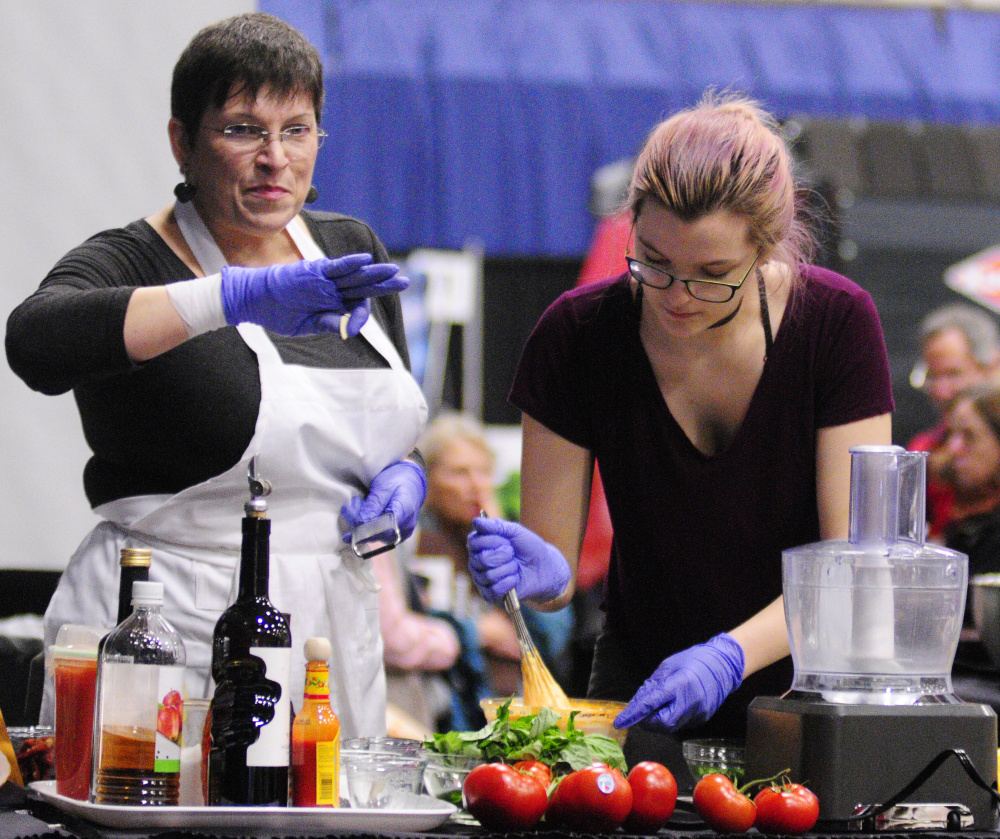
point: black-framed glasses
(708, 291)
(251, 138)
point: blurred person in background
(960, 347)
(460, 485)
(719, 384)
(419, 649)
(972, 446)
(233, 324)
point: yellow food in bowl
(594, 716)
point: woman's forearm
(152, 325)
(763, 637)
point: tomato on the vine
(654, 794)
(722, 806)
(537, 769)
(786, 808)
(596, 799)
(502, 798)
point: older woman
(460, 486)
(719, 384)
(232, 324)
(972, 448)
(972, 445)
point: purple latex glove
(688, 687)
(307, 297)
(504, 555)
(400, 488)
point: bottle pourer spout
(259, 489)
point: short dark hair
(240, 55)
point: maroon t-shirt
(698, 540)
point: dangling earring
(312, 195)
(185, 191)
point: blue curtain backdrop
(460, 120)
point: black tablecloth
(23, 816)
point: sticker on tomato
(605, 783)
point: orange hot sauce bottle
(316, 735)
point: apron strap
(371, 330)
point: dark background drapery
(453, 120)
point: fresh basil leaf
(534, 736)
(577, 756)
(606, 749)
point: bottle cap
(318, 649)
(147, 593)
(136, 557)
(75, 642)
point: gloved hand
(504, 555)
(307, 297)
(688, 687)
(400, 488)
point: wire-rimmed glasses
(248, 138)
(708, 291)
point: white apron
(321, 437)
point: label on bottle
(328, 773)
(317, 683)
(169, 719)
(271, 748)
(141, 712)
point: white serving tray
(421, 813)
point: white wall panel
(83, 147)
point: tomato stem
(763, 782)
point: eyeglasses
(708, 291)
(251, 138)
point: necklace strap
(729, 317)
(765, 315)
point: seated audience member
(972, 444)
(960, 347)
(460, 483)
(418, 649)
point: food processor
(873, 624)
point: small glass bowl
(396, 745)
(34, 748)
(444, 775)
(707, 757)
(377, 780)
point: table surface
(23, 816)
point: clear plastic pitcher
(876, 619)
(72, 661)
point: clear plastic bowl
(377, 780)
(396, 745)
(34, 748)
(708, 757)
(444, 775)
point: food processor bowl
(874, 628)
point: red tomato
(789, 808)
(592, 800)
(538, 770)
(721, 806)
(502, 798)
(654, 794)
